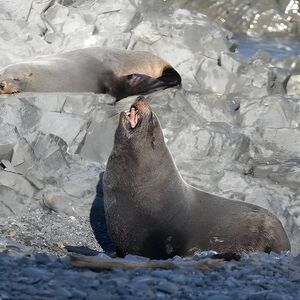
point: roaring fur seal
(120, 73)
(151, 211)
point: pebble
(274, 279)
(219, 297)
(42, 258)
(167, 287)
(136, 258)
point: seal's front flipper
(82, 250)
(135, 84)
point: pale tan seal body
(151, 211)
(99, 70)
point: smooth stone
(167, 287)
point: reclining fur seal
(120, 73)
(151, 211)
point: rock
(58, 202)
(178, 42)
(219, 297)
(11, 247)
(6, 151)
(18, 10)
(295, 277)
(99, 140)
(17, 183)
(42, 258)
(167, 287)
(36, 273)
(62, 125)
(56, 15)
(293, 85)
(136, 258)
(257, 18)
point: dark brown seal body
(119, 73)
(151, 211)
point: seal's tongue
(133, 117)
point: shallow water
(277, 47)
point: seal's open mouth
(133, 116)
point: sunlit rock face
(254, 18)
(231, 128)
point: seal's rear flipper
(170, 77)
(137, 84)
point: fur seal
(120, 73)
(151, 211)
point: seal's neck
(146, 163)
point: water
(278, 47)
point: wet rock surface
(254, 18)
(231, 128)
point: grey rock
(65, 126)
(18, 10)
(293, 85)
(219, 297)
(36, 273)
(78, 294)
(11, 247)
(167, 287)
(295, 276)
(136, 258)
(6, 151)
(99, 141)
(257, 18)
(146, 279)
(63, 293)
(42, 258)
(11, 180)
(161, 273)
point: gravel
(47, 276)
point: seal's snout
(138, 110)
(133, 116)
(9, 87)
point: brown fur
(151, 211)
(119, 73)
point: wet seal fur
(151, 211)
(120, 73)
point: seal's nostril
(2, 85)
(140, 98)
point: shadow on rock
(98, 221)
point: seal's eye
(16, 79)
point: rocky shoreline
(44, 276)
(233, 129)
